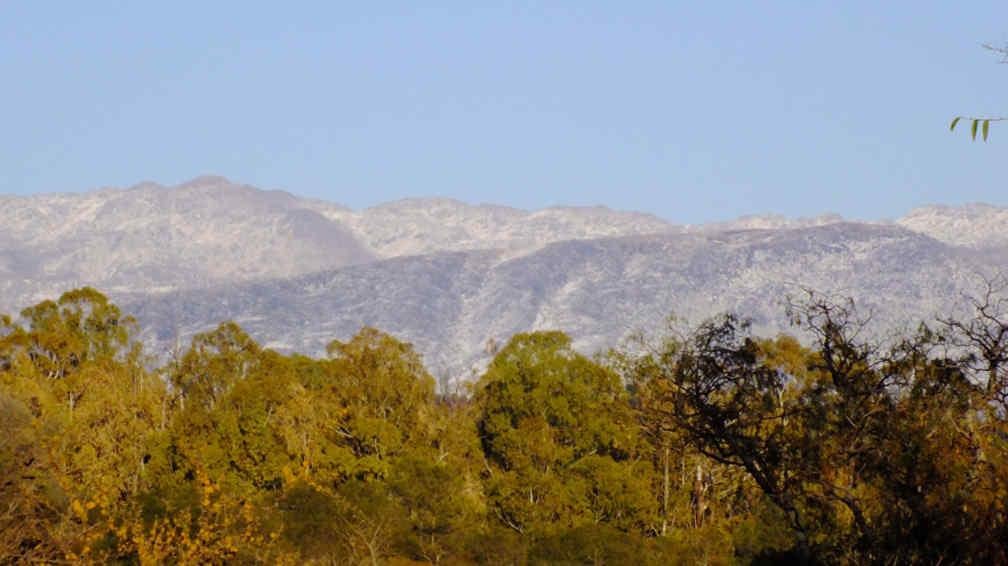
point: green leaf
(973, 129)
(955, 121)
(986, 129)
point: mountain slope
(212, 231)
(975, 225)
(450, 276)
(205, 231)
(451, 304)
(419, 226)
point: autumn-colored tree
(844, 437)
(75, 386)
(718, 447)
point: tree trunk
(665, 492)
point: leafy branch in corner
(982, 125)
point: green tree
(560, 441)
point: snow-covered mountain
(449, 276)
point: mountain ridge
(926, 219)
(449, 275)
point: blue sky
(695, 111)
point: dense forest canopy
(716, 447)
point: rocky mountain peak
(972, 224)
(206, 182)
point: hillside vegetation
(716, 446)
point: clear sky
(695, 111)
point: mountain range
(453, 277)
